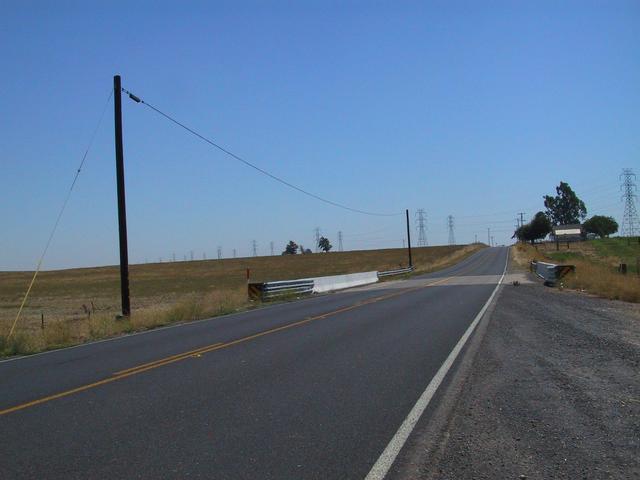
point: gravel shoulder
(551, 389)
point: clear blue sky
(474, 109)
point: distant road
(310, 389)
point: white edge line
(390, 453)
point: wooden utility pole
(409, 239)
(122, 209)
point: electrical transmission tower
(630, 222)
(219, 253)
(254, 248)
(271, 247)
(452, 238)
(317, 232)
(421, 221)
(340, 248)
(234, 253)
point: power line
(251, 165)
(317, 234)
(630, 222)
(421, 226)
(521, 219)
(64, 206)
(452, 238)
(487, 222)
(379, 230)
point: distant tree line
(292, 247)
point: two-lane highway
(310, 389)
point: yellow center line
(177, 356)
(208, 348)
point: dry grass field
(596, 264)
(80, 304)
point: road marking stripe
(182, 356)
(390, 453)
(179, 355)
(209, 348)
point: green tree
(540, 226)
(565, 208)
(324, 244)
(291, 248)
(522, 233)
(601, 225)
(536, 229)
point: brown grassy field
(596, 266)
(80, 304)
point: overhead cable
(57, 222)
(137, 99)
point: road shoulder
(547, 388)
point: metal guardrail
(398, 271)
(550, 272)
(267, 290)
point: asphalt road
(552, 392)
(309, 389)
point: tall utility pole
(204, 255)
(254, 248)
(476, 240)
(122, 208)
(421, 225)
(489, 236)
(317, 233)
(340, 247)
(271, 247)
(630, 222)
(234, 253)
(219, 253)
(452, 238)
(521, 218)
(409, 238)
(191, 255)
